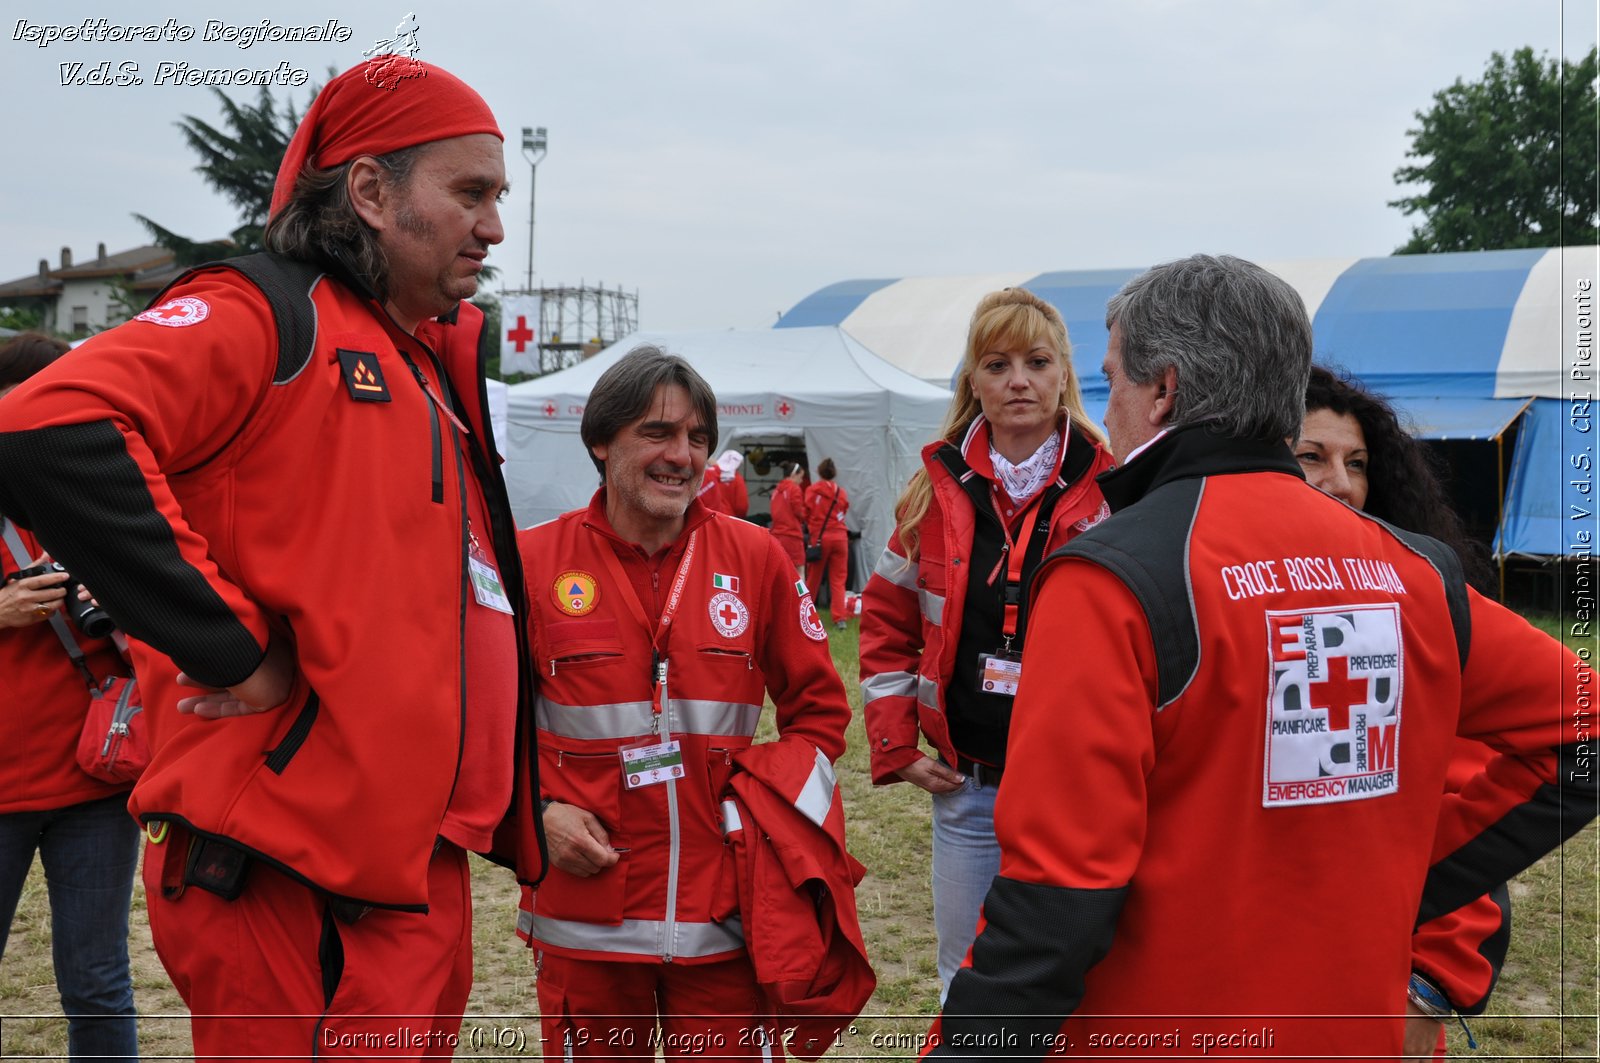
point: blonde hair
(1009, 318)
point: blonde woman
(1010, 479)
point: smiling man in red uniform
(1219, 805)
(658, 628)
(279, 479)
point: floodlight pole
(535, 144)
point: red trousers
(274, 973)
(593, 1009)
(836, 562)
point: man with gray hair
(1215, 832)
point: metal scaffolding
(577, 322)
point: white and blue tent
(1468, 345)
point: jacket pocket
(592, 782)
(579, 644)
(279, 756)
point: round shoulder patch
(810, 622)
(576, 592)
(729, 615)
(178, 313)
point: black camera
(92, 620)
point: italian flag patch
(725, 583)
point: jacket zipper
(435, 430)
(463, 589)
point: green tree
(1508, 160)
(239, 159)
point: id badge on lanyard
(649, 763)
(1000, 672)
(487, 588)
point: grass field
(1545, 1007)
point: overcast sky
(726, 158)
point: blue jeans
(966, 858)
(89, 852)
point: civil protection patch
(575, 592)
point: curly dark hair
(1405, 484)
(25, 354)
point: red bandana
(367, 112)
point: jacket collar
(1188, 452)
(595, 520)
(971, 457)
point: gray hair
(1237, 335)
(624, 392)
(319, 223)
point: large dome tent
(1490, 354)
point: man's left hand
(265, 689)
(1422, 1033)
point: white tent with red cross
(817, 384)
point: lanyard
(663, 627)
(1012, 556)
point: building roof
(148, 268)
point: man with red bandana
(280, 480)
(659, 627)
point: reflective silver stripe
(640, 937)
(816, 796)
(730, 818)
(524, 921)
(674, 853)
(896, 569)
(629, 718)
(932, 607)
(888, 685)
(595, 721)
(927, 693)
(715, 718)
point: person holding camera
(78, 825)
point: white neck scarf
(1025, 479)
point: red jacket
(724, 496)
(788, 509)
(742, 629)
(255, 491)
(826, 505)
(911, 614)
(43, 698)
(1251, 698)
(1463, 951)
(784, 823)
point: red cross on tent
(1341, 692)
(549, 409)
(522, 335)
(784, 409)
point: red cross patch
(729, 615)
(177, 313)
(1334, 709)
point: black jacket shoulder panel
(1147, 548)
(287, 284)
